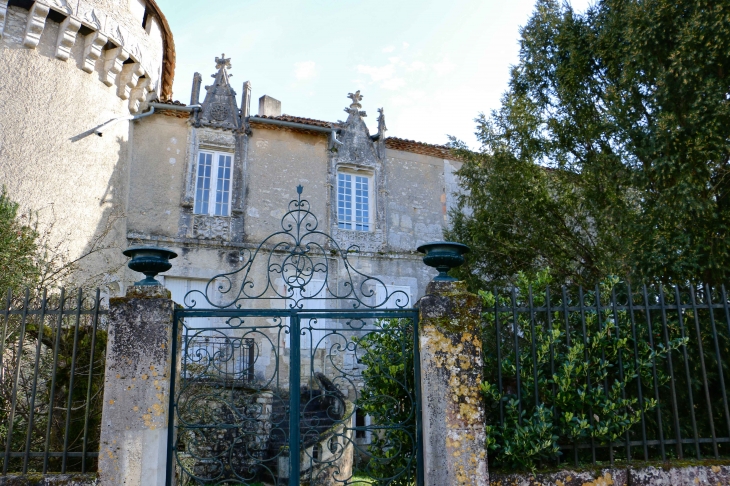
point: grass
(360, 480)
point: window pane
(223, 186)
(344, 201)
(362, 204)
(202, 184)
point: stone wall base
(700, 475)
(50, 480)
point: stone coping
(37, 479)
(680, 473)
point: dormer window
(213, 183)
(354, 201)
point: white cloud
(406, 45)
(408, 97)
(393, 83)
(388, 49)
(417, 66)
(443, 67)
(377, 74)
(305, 70)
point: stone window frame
(213, 140)
(374, 240)
(372, 200)
(216, 154)
(204, 226)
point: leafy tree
(610, 153)
(18, 247)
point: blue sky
(432, 65)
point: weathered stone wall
(56, 86)
(703, 474)
(419, 187)
(157, 176)
(50, 480)
(277, 162)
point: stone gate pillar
(133, 449)
(451, 371)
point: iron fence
(616, 373)
(52, 356)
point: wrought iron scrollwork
(298, 265)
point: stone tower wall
(67, 67)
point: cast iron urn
(149, 260)
(443, 256)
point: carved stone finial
(222, 62)
(356, 98)
(381, 122)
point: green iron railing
(52, 355)
(618, 372)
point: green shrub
(581, 396)
(389, 398)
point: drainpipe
(165, 106)
(332, 131)
(100, 131)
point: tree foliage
(610, 153)
(18, 247)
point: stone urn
(149, 260)
(443, 256)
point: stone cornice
(145, 80)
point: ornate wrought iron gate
(296, 369)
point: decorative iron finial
(356, 99)
(222, 62)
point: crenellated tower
(68, 67)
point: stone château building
(93, 145)
(86, 142)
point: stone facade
(85, 68)
(411, 191)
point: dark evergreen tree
(611, 151)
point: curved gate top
(296, 264)
(296, 368)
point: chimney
(246, 100)
(195, 95)
(269, 106)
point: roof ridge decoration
(381, 133)
(219, 109)
(355, 106)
